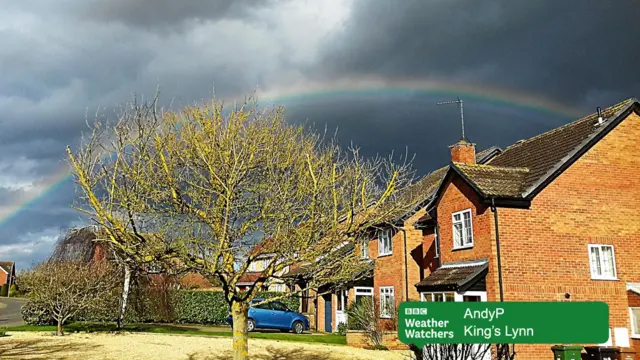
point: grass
(184, 330)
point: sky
(372, 69)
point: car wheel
(251, 325)
(298, 327)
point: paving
(10, 311)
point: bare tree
(84, 245)
(65, 288)
(198, 188)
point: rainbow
(337, 90)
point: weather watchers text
(422, 323)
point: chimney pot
(463, 152)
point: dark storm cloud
(163, 13)
(574, 51)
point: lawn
(185, 330)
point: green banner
(422, 323)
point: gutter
(495, 218)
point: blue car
(274, 315)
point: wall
(359, 340)
(458, 196)
(3, 278)
(595, 201)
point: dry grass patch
(134, 346)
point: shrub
(13, 291)
(147, 305)
(4, 290)
(3, 331)
(342, 329)
(363, 315)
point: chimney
(463, 152)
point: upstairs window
(384, 242)
(462, 229)
(364, 249)
(603, 262)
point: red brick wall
(458, 196)
(3, 278)
(544, 249)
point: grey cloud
(160, 14)
(569, 50)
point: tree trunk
(125, 295)
(59, 330)
(239, 316)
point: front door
(328, 310)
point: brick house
(260, 257)
(7, 273)
(552, 218)
(562, 205)
(397, 257)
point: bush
(36, 314)
(3, 331)
(13, 291)
(4, 290)
(185, 306)
(342, 329)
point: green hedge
(4, 290)
(178, 306)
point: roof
(455, 276)
(429, 183)
(494, 180)
(249, 278)
(542, 153)
(6, 266)
(635, 287)
(487, 154)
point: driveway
(10, 311)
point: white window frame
(364, 249)
(635, 333)
(381, 248)
(363, 291)
(457, 297)
(595, 276)
(464, 232)
(384, 293)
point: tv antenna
(460, 104)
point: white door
(341, 307)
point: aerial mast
(461, 105)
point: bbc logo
(415, 311)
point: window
(279, 306)
(635, 321)
(387, 302)
(278, 287)
(462, 230)
(364, 249)
(342, 300)
(603, 262)
(361, 292)
(438, 297)
(384, 242)
(471, 298)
